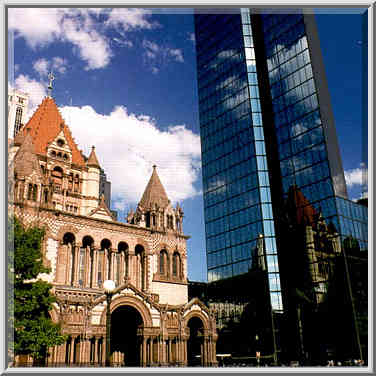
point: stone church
(53, 185)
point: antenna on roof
(51, 77)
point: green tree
(34, 331)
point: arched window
(76, 183)
(57, 176)
(117, 268)
(123, 250)
(60, 142)
(147, 219)
(18, 120)
(170, 222)
(100, 267)
(105, 247)
(85, 270)
(30, 191)
(70, 182)
(163, 262)
(176, 265)
(140, 272)
(35, 192)
(69, 240)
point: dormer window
(53, 153)
(65, 156)
(59, 155)
(60, 142)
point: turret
(91, 183)
(155, 210)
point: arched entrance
(195, 342)
(125, 344)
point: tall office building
(266, 128)
(17, 111)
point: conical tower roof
(93, 160)
(154, 193)
(25, 161)
(45, 125)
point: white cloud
(152, 49)
(176, 54)
(160, 55)
(356, 176)
(123, 43)
(39, 26)
(35, 89)
(128, 145)
(81, 27)
(191, 37)
(59, 64)
(91, 46)
(41, 66)
(129, 18)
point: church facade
(53, 185)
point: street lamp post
(109, 287)
(258, 353)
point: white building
(17, 111)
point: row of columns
(157, 351)
(127, 263)
(78, 351)
(154, 351)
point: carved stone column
(151, 351)
(158, 350)
(62, 353)
(95, 357)
(68, 270)
(94, 272)
(185, 352)
(81, 350)
(105, 264)
(72, 350)
(103, 349)
(76, 265)
(144, 341)
(169, 351)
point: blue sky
(126, 83)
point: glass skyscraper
(266, 125)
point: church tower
(55, 186)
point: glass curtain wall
(237, 198)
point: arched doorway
(125, 344)
(195, 342)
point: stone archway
(125, 340)
(195, 342)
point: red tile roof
(45, 124)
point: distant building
(105, 187)
(54, 186)
(17, 111)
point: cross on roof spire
(51, 77)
